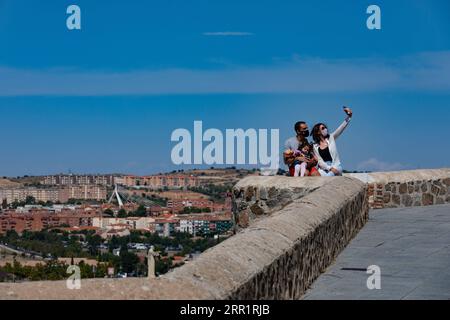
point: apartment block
(62, 194)
(20, 194)
(132, 223)
(205, 224)
(84, 192)
(161, 181)
(165, 227)
(66, 180)
(39, 219)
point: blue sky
(106, 98)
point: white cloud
(428, 72)
(228, 33)
(374, 164)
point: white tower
(116, 195)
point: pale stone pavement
(410, 245)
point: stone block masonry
(407, 188)
(257, 197)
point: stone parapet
(406, 188)
(257, 197)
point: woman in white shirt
(325, 147)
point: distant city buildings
(39, 194)
(76, 179)
(62, 187)
(205, 224)
(178, 205)
(36, 218)
(84, 192)
(132, 223)
(115, 232)
(73, 218)
(160, 181)
(167, 225)
(164, 220)
(52, 194)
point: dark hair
(297, 125)
(316, 134)
(305, 144)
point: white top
(332, 147)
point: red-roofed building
(39, 219)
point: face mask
(325, 132)
(303, 133)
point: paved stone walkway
(410, 245)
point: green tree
(109, 212)
(93, 242)
(113, 243)
(30, 200)
(140, 211)
(129, 261)
(122, 213)
(162, 266)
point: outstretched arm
(344, 124)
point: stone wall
(407, 188)
(273, 258)
(257, 197)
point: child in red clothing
(301, 168)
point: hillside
(5, 183)
(221, 177)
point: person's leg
(291, 171)
(303, 169)
(324, 173)
(332, 174)
(297, 170)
